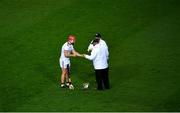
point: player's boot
(67, 84)
(62, 85)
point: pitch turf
(143, 38)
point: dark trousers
(102, 78)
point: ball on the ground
(85, 85)
(71, 87)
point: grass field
(143, 38)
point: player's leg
(69, 81)
(63, 74)
(67, 76)
(63, 77)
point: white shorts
(64, 64)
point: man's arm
(92, 56)
(90, 47)
(67, 54)
(76, 53)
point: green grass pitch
(143, 38)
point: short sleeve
(66, 48)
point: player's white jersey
(66, 47)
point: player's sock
(67, 84)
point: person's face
(97, 38)
(95, 43)
(72, 42)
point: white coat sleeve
(92, 56)
(90, 47)
(107, 53)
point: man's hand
(84, 55)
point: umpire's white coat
(99, 55)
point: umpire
(99, 56)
